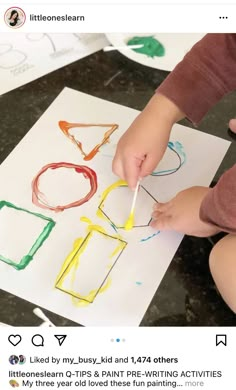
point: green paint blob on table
(151, 46)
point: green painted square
(37, 244)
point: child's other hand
(143, 145)
(181, 214)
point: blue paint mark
(117, 340)
(113, 227)
(177, 148)
(148, 238)
(139, 283)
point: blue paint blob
(117, 340)
(149, 237)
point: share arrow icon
(60, 338)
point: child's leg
(223, 268)
(232, 125)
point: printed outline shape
(78, 249)
(172, 145)
(101, 205)
(24, 262)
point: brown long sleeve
(206, 74)
(219, 206)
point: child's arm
(200, 211)
(219, 205)
(181, 214)
(144, 143)
(206, 74)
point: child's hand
(182, 214)
(143, 145)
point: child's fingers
(148, 165)
(117, 167)
(155, 215)
(127, 169)
(131, 168)
(161, 222)
(161, 207)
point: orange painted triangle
(66, 126)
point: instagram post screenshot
(117, 195)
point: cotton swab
(110, 48)
(39, 313)
(130, 221)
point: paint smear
(130, 222)
(100, 213)
(72, 263)
(178, 149)
(37, 244)
(149, 237)
(66, 126)
(151, 46)
(39, 199)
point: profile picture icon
(22, 359)
(14, 17)
(14, 383)
(13, 359)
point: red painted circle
(87, 172)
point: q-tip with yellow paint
(130, 221)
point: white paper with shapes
(116, 272)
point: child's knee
(216, 257)
(222, 262)
(223, 253)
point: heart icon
(14, 339)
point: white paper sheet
(124, 280)
(26, 57)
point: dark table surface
(187, 295)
